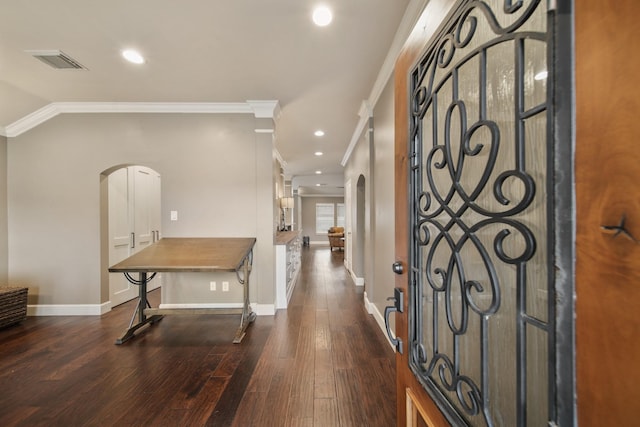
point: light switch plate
(174, 215)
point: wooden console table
(179, 255)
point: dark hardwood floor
(321, 362)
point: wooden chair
(336, 237)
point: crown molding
(365, 113)
(260, 109)
(265, 109)
(409, 20)
(32, 120)
(282, 162)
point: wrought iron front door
(481, 326)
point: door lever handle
(398, 305)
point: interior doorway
(358, 254)
(131, 206)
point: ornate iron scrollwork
(468, 232)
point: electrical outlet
(212, 285)
(174, 215)
(225, 286)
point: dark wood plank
(325, 412)
(323, 362)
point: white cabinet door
(120, 237)
(155, 209)
(142, 196)
(155, 203)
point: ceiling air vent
(56, 59)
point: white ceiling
(207, 51)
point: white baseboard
(367, 304)
(68, 309)
(264, 309)
(379, 317)
(100, 309)
(358, 281)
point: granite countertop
(284, 237)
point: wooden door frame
(607, 100)
(410, 53)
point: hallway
(322, 362)
(326, 363)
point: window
(340, 214)
(324, 217)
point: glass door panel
(480, 280)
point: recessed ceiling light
(318, 172)
(318, 153)
(322, 16)
(319, 133)
(133, 56)
(541, 75)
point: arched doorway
(130, 221)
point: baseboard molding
(100, 309)
(358, 281)
(264, 309)
(68, 309)
(379, 318)
(367, 303)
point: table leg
(143, 303)
(248, 316)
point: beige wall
(216, 172)
(383, 199)
(308, 211)
(373, 161)
(3, 213)
(358, 168)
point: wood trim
(414, 408)
(427, 25)
(607, 177)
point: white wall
(212, 169)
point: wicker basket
(13, 306)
